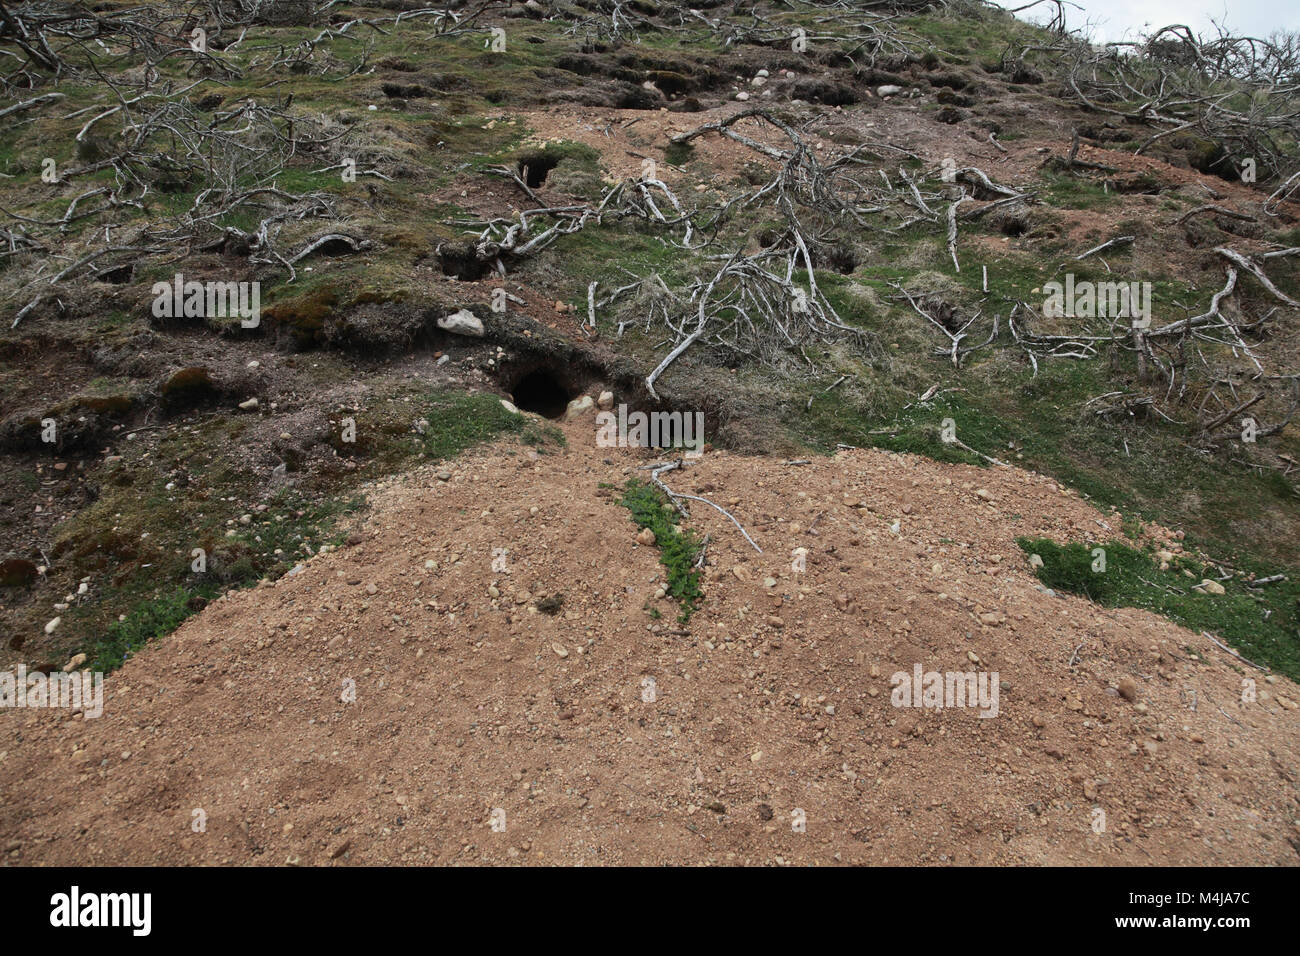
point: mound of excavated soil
(598, 733)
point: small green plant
(678, 549)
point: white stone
(463, 322)
(579, 407)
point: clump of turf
(678, 549)
(145, 622)
(1260, 622)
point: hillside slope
(773, 698)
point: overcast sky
(1113, 19)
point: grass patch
(1070, 191)
(458, 421)
(1261, 623)
(678, 549)
(146, 621)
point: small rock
(76, 661)
(1128, 689)
(646, 537)
(49, 628)
(463, 322)
(888, 90)
(606, 401)
(579, 407)
(248, 406)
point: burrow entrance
(1013, 226)
(541, 392)
(534, 168)
(460, 262)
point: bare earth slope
(470, 708)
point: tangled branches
(164, 146)
(748, 309)
(1240, 94)
(1195, 367)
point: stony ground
(600, 729)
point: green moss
(303, 318)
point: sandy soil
(601, 733)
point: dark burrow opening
(840, 258)
(117, 275)
(1013, 226)
(539, 391)
(534, 169)
(460, 262)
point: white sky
(1113, 19)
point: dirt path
(773, 699)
